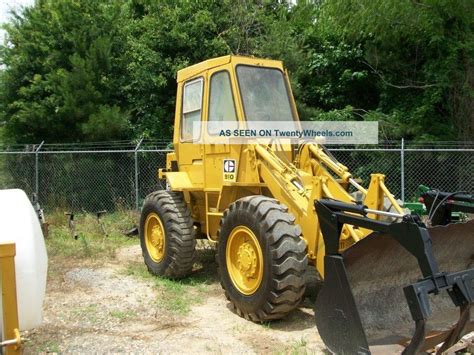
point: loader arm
(310, 178)
(316, 176)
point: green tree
(106, 70)
(420, 53)
(166, 36)
(60, 72)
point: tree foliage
(61, 64)
(421, 53)
(105, 70)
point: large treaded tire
(284, 254)
(180, 242)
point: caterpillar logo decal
(230, 170)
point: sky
(5, 6)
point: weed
(299, 347)
(48, 347)
(176, 296)
(139, 270)
(296, 348)
(85, 245)
(91, 243)
(88, 313)
(208, 348)
(238, 328)
(122, 315)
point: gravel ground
(94, 307)
(98, 308)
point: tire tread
(181, 238)
(288, 253)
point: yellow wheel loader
(273, 208)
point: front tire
(167, 235)
(262, 258)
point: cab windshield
(264, 94)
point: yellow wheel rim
(154, 237)
(244, 260)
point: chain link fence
(447, 166)
(93, 177)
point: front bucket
(362, 302)
(378, 268)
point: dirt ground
(101, 299)
(114, 307)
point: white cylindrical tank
(19, 224)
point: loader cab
(225, 89)
(231, 88)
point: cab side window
(221, 101)
(192, 109)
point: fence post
(37, 168)
(402, 163)
(136, 174)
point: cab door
(222, 160)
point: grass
(297, 348)
(91, 243)
(176, 296)
(122, 315)
(88, 313)
(49, 347)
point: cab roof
(196, 69)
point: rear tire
(271, 285)
(167, 235)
